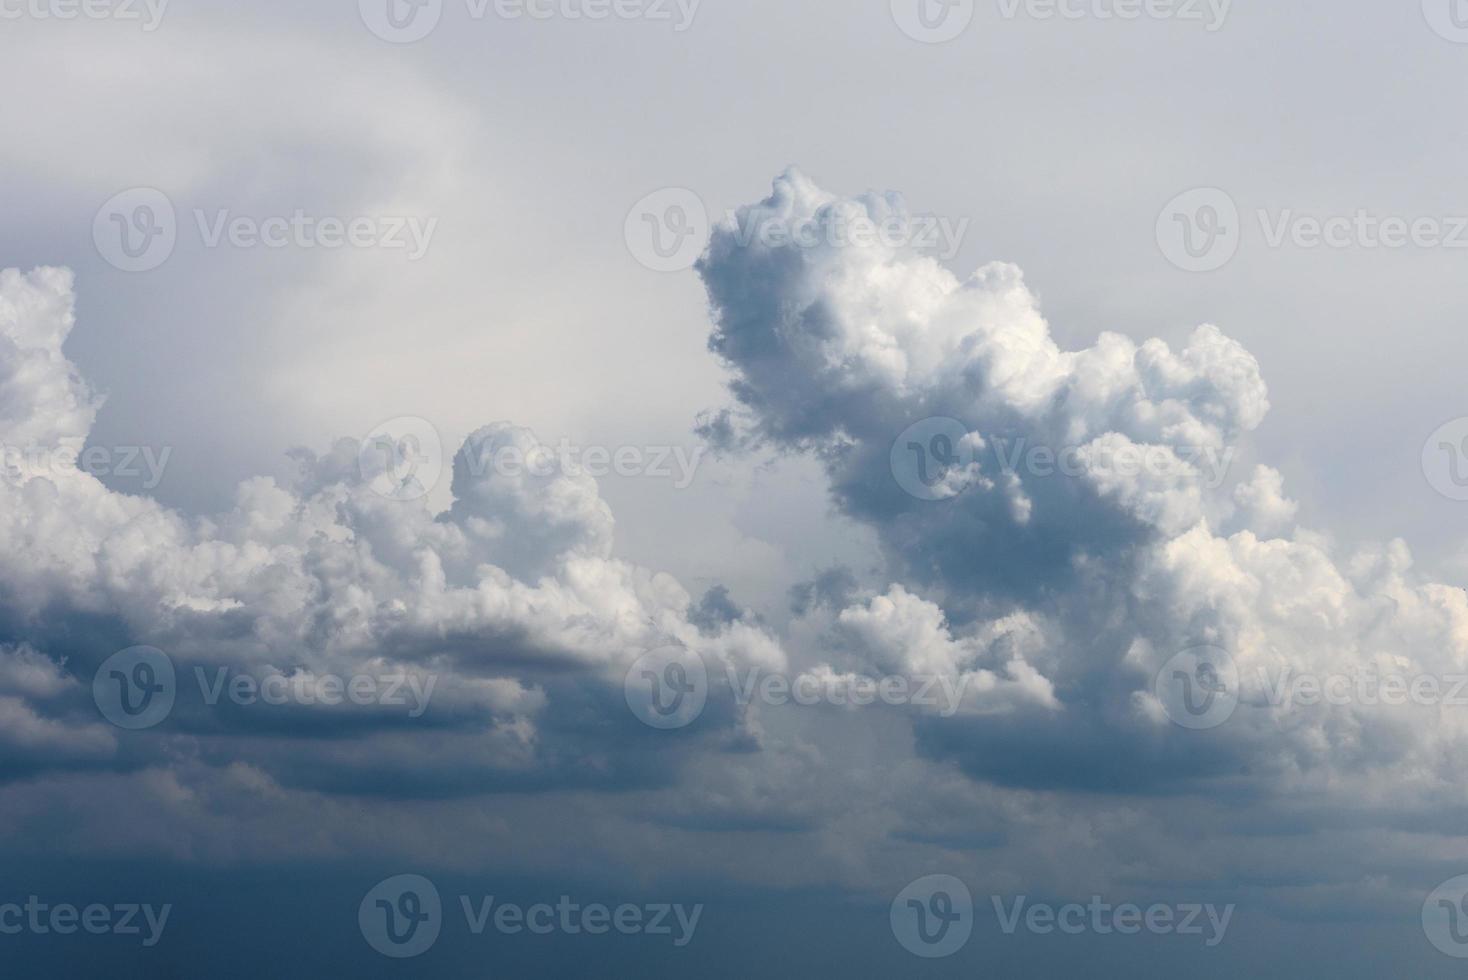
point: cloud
(1046, 588)
(508, 606)
(1085, 515)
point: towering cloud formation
(1076, 525)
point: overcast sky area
(707, 488)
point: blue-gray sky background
(1058, 141)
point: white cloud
(837, 350)
(515, 580)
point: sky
(896, 487)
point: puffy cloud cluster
(1044, 591)
(904, 635)
(510, 603)
(838, 348)
(1057, 575)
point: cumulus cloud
(509, 606)
(908, 636)
(1096, 529)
